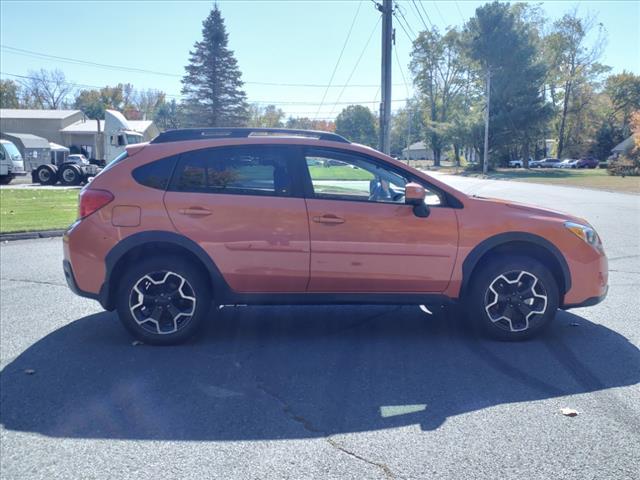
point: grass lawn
(338, 173)
(586, 178)
(32, 209)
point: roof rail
(233, 132)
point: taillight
(93, 200)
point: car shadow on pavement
(298, 372)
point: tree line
(546, 82)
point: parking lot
(324, 392)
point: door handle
(329, 218)
(195, 211)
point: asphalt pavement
(324, 392)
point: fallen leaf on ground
(569, 412)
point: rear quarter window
(156, 174)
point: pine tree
(212, 85)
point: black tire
(6, 179)
(162, 326)
(70, 175)
(47, 174)
(505, 320)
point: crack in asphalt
(37, 282)
(307, 425)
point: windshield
(132, 138)
(12, 152)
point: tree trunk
(456, 152)
(563, 119)
(525, 154)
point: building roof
(91, 126)
(36, 114)
(87, 126)
(623, 146)
(416, 146)
(58, 148)
(28, 140)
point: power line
(404, 29)
(399, 9)
(413, 2)
(404, 80)
(75, 61)
(262, 102)
(444, 22)
(460, 12)
(356, 65)
(425, 12)
(344, 45)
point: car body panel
(380, 247)
(260, 244)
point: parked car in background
(204, 217)
(516, 163)
(588, 162)
(519, 163)
(11, 163)
(545, 163)
(567, 163)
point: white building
(417, 151)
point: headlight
(585, 232)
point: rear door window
(251, 170)
(156, 174)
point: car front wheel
(513, 298)
(163, 301)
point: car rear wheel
(163, 301)
(513, 298)
(47, 174)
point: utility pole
(385, 104)
(485, 160)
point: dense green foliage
(546, 84)
(357, 124)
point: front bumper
(589, 302)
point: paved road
(322, 392)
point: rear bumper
(73, 285)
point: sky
(286, 50)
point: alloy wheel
(515, 300)
(162, 302)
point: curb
(4, 237)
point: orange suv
(204, 217)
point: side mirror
(414, 194)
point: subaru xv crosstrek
(199, 218)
